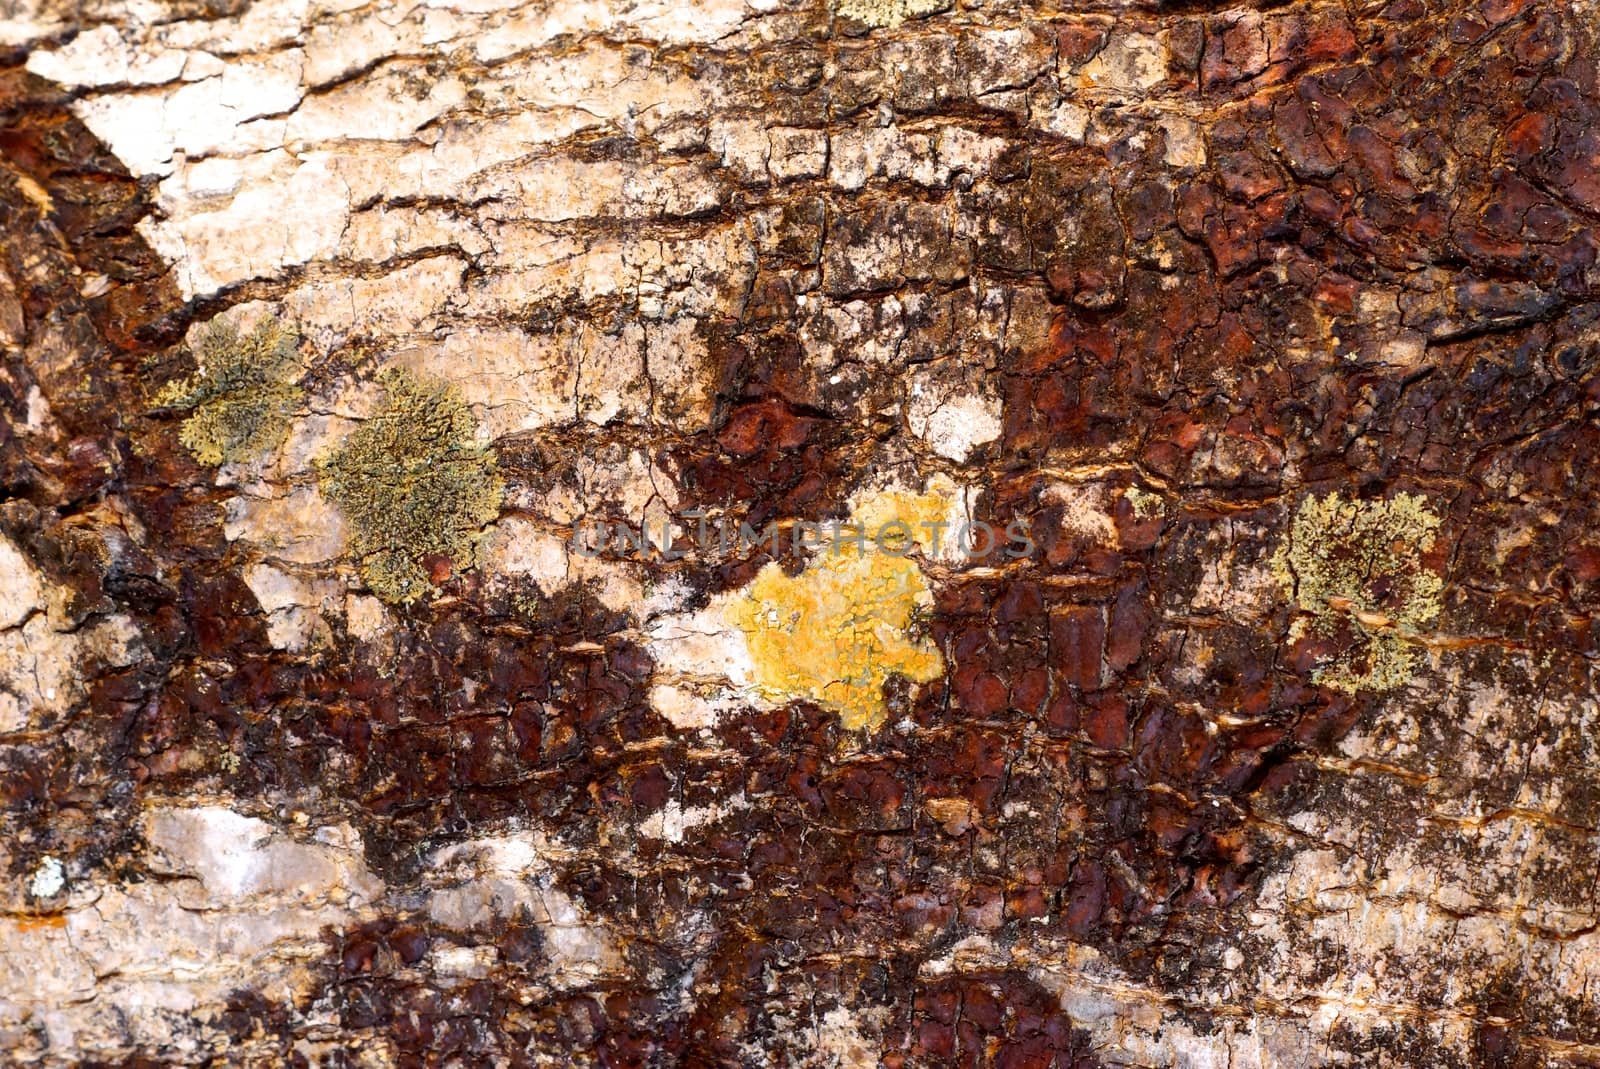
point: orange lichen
(836, 632)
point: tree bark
(1262, 340)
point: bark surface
(1275, 328)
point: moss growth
(242, 397)
(1359, 564)
(887, 14)
(413, 484)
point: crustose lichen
(413, 484)
(241, 397)
(1359, 565)
(887, 14)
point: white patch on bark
(953, 426)
(48, 879)
(292, 605)
(473, 884)
(1085, 510)
(21, 591)
(42, 668)
(152, 962)
(672, 820)
(1130, 63)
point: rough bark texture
(1275, 325)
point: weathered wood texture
(1276, 325)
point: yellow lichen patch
(1359, 565)
(836, 632)
(931, 517)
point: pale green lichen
(887, 14)
(1359, 565)
(1144, 503)
(242, 397)
(414, 486)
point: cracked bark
(1160, 281)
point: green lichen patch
(413, 484)
(1357, 569)
(242, 396)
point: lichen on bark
(887, 14)
(1358, 564)
(1136, 275)
(241, 396)
(837, 631)
(414, 485)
